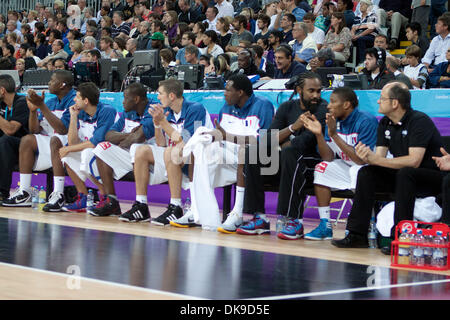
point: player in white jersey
(149, 165)
(44, 122)
(346, 126)
(113, 155)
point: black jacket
(380, 81)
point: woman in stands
(41, 46)
(167, 57)
(222, 66)
(76, 47)
(223, 28)
(210, 40)
(199, 30)
(364, 30)
(339, 37)
(20, 67)
(170, 19)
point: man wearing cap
(157, 41)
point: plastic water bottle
(34, 197)
(438, 253)
(445, 250)
(90, 200)
(187, 206)
(417, 258)
(404, 250)
(281, 222)
(428, 251)
(42, 198)
(372, 235)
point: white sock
(141, 199)
(25, 182)
(239, 203)
(324, 212)
(58, 184)
(175, 201)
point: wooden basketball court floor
(77, 256)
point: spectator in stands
(223, 29)
(286, 66)
(88, 16)
(12, 40)
(239, 33)
(134, 33)
(11, 27)
(187, 14)
(242, 5)
(323, 21)
(210, 40)
(440, 77)
(13, 126)
(199, 30)
(375, 68)
(395, 14)
(59, 64)
(29, 40)
(263, 23)
(76, 47)
(275, 38)
(222, 66)
(106, 48)
(25, 29)
(94, 55)
(286, 24)
(144, 35)
(41, 46)
(20, 67)
(117, 5)
(297, 145)
(211, 18)
(119, 25)
(339, 37)
(157, 41)
(364, 29)
(270, 9)
(343, 120)
(288, 6)
(316, 34)
(61, 26)
(346, 7)
(323, 58)
(246, 64)
(412, 139)
(414, 34)
(261, 62)
(89, 43)
(414, 70)
(437, 9)
(31, 53)
(58, 8)
(225, 8)
(170, 20)
(120, 45)
(381, 41)
(191, 54)
(303, 45)
(167, 57)
(421, 13)
(131, 46)
(188, 38)
(74, 17)
(393, 66)
(6, 64)
(437, 51)
(8, 52)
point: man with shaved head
(413, 139)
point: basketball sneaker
(292, 230)
(20, 198)
(322, 232)
(55, 202)
(185, 221)
(138, 213)
(230, 225)
(172, 213)
(255, 226)
(108, 206)
(78, 206)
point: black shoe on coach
(351, 240)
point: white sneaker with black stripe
(172, 213)
(138, 213)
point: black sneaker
(55, 202)
(20, 198)
(108, 207)
(352, 240)
(172, 213)
(138, 213)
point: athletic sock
(25, 182)
(239, 203)
(58, 184)
(175, 201)
(324, 213)
(141, 199)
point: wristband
(290, 129)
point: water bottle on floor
(281, 222)
(428, 251)
(372, 235)
(404, 250)
(34, 197)
(417, 258)
(42, 199)
(438, 253)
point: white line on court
(124, 286)
(323, 293)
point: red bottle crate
(430, 230)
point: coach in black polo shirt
(13, 126)
(413, 139)
(286, 66)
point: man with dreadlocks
(292, 165)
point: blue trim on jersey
(55, 105)
(191, 113)
(146, 121)
(91, 169)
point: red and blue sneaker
(292, 230)
(79, 205)
(255, 226)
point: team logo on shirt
(404, 133)
(387, 134)
(321, 167)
